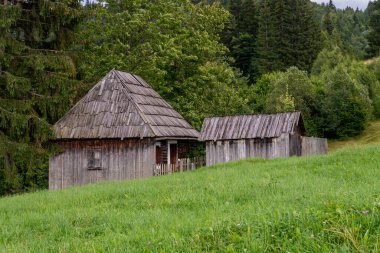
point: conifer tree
(374, 31)
(234, 7)
(267, 59)
(332, 5)
(328, 23)
(249, 14)
(288, 35)
(37, 85)
(240, 33)
(243, 44)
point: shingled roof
(122, 105)
(250, 126)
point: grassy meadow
(328, 203)
(371, 135)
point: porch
(182, 165)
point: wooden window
(94, 157)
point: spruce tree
(288, 35)
(37, 85)
(328, 23)
(239, 34)
(267, 58)
(374, 29)
(234, 7)
(249, 12)
(243, 43)
(332, 6)
(306, 43)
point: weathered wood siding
(127, 159)
(243, 127)
(314, 146)
(295, 144)
(232, 150)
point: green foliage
(37, 86)
(216, 90)
(337, 101)
(261, 90)
(328, 24)
(288, 35)
(375, 67)
(327, 59)
(371, 135)
(240, 33)
(311, 204)
(302, 90)
(374, 31)
(174, 45)
(285, 102)
(266, 43)
(346, 29)
(374, 72)
(287, 91)
(349, 93)
(345, 107)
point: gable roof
(122, 105)
(250, 126)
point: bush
(289, 91)
(345, 109)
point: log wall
(126, 159)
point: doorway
(159, 154)
(172, 152)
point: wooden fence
(185, 164)
(314, 146)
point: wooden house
(121, 129)
(232, 138)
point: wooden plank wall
(280, 147)
(225, 151)
(127, 159)
(314, 146)
(295, 143)
(284, 146)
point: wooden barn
(232, 138)
(122, 129)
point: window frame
(94, 159)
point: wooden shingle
(250, 126)
(119, 106)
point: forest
(203, 57)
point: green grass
(329, 203)
(370, 136)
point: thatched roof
(250, 126)
(122, 105)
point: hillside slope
(371, 135)
(311, 204)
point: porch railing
(182, 165)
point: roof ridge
(249, 114)
(141, 113)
